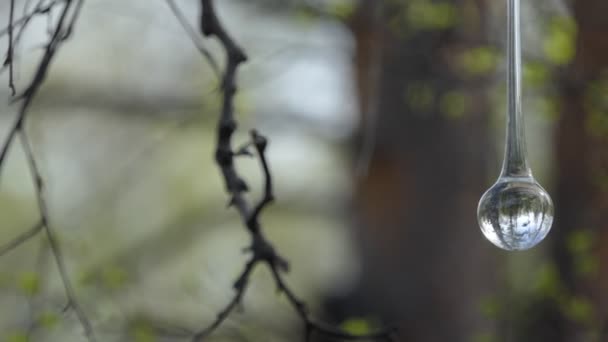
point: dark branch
(22, 23)
(193, 35)
(19, 240)
(262, 250)
(260, 143)
(61, 31)
(240, 286)
(9, 54)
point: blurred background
(386, 124)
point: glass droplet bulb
(515, 213)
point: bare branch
(260, 143)
(52, 239)
(9, 55)
(194, 36)
(61, 31)
(21, 239)
(240, 286)
(262, 250)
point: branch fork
(262, 250)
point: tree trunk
(582, 161)
(425, 262)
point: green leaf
(114, 277)
(342, 10)
(535, 74)
(29, 283)
(579, 242)
(546, 106)
(420, 96)
(479, 61)
(17, 337)
(484, 337)
(142, 332)
(579, 309)
(560, 44)
(430, 15)
(454, 104)
(48, 319)
(490, 306)
(587, 265)
(357, 326)
(548, 282)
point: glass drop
(515, 213)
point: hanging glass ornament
(516, 213)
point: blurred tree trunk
(425, 262)
(582, 161)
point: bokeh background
(386, 124)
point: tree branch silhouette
(61, 32)
(194, 36)
(9, 54)
(262, 251)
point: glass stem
(515, 162)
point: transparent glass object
(516, 213)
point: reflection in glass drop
(515, 213)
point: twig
(262, 250)
(61, 32)
(23, 21)
(53, 243)
(240, 286)
(9, 54)
(19, 240)
(193, 36)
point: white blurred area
(123, 131)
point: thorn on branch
(262, 250)
(244, 150)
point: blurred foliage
(18, 337)
(596, 105)
(578, 309)
(455, 104)
(29, 283)
(420, 96)
(359, 326)
(558, 45)
(341, 10)
(535, 74)
(114, 277)
(142, 332)
(431, 15)
(547, 289)
(484, 337)
(581, 244)
(422, 15)
(479, 60)
(48, 319)
(560, 41)
(548, 282)
(490, 307)
(546, 106)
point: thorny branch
(261, 249)
(191, 31)
(61, 32)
